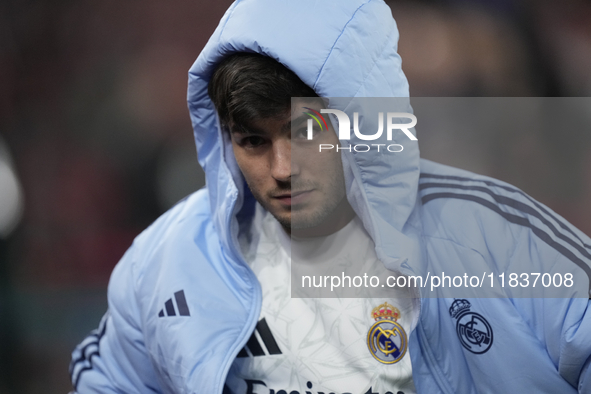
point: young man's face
(300, 186)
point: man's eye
(302, 133)
(252, 142)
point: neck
(337, 219)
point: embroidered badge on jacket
(475, 333)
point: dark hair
(247, 86)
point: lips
(293, 197)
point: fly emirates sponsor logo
(260, 387)
(392, 120)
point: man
(201, 303)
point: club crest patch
(386, 338)
(474, 332)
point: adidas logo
(261, 342)
(181, 303)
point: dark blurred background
(96, 142)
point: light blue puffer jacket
(423, 217)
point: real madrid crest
(386, 339)
(474, 331)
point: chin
(284, 220)
(298, 223)
(306, 221)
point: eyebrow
(287, 126)
(250, 130)
(239, 129)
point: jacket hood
(340, 48)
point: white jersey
(321, 345)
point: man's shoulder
(462, 196)
(455, 198)
(180, 246)
(179, 231)
(485, 214)
(191, 213)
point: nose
(281, 165)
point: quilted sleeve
(575, 346)
(113, 358)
